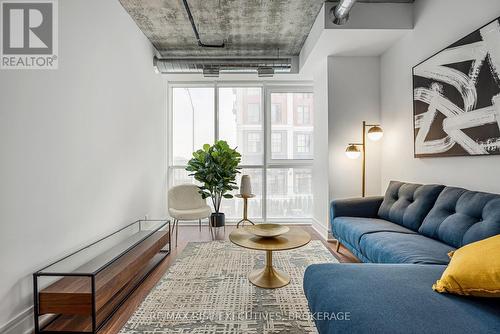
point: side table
(245, 209)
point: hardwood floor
(188, 234)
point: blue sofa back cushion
(460, 217)
(407, 204)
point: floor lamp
(353, 151)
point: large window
(192, 109)
(241, 122)
(295, 125)
(272, 129)
(253, 143)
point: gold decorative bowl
(267, 230)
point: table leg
(245, 206)
(245, 214)
(269, 277)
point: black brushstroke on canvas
(487, 87)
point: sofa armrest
(366, 207)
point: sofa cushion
(391, 247)
(382, 298)
(407, 204)
(461, 216)
(366, 207)
(351, 229)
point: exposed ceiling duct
(264, 67)
(211, 63)
(340, 13)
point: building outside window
(276, 142)
(303, 143)
(277, 182)
(303, 105)
(281, 183)
(253, 143)
(276, 113)
(253, 113)
(302, 181)
(303, 115)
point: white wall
(320, 164)
(438, 24)
(354, 97)
(82, 147)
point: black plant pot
(217, 219)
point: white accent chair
(186, 203)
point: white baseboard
(21, 324)
(307, 221)
(322, 229)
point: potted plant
(215, 167)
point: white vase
(245, 186)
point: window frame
(268, 126)
(283, 141)
(296, 152)
(267, 88)
(259, 146)
(247, 114)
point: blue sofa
(403, 239)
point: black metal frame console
(80, 292)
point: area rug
(206, 290)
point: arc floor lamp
(353, 150)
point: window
(253, 143)
(276, 142)
(178, 176)
(253, 113)
(303, 145)
(192, 109)
(289, 194)
(282, 182)
(277, 182)
(239, 130)
(276, 116)
(302, 183)
(303, 115)
(303, 106)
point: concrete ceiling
(249, 27)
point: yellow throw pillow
(474, 270)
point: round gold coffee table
(270, 277)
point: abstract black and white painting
(456, 97)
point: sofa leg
(338, 246)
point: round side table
(270, 277)
(245, 209)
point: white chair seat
(190, 214)
(186, 203)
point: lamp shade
(375, 133)
(352, 152)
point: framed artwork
(456, 97)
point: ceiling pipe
(262, 66)
(340, 13)
(195, 30)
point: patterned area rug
(207, 291)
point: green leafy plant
(215, 167)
